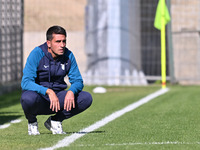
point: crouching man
(43, 86)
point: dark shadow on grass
(94, 132)
(86, 132)
(6, 117)
(10, 99)
(7, 100)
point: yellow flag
(160, 7)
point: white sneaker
(33, 129)
(54, 126)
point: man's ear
(48, 43)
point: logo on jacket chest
(63, 66)
(46, 66)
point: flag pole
(161, 19)
(163, 46)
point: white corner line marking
(8, 124)
(4, 126)
(142, 143)
(16, 121)
(70, 139)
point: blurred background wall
(113, 43)
(11, 44)
(39, 15)
(113, 40)
(186, 40)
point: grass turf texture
(171, 117)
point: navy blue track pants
(35, 104)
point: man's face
(57, 45)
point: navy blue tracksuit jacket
(42, 72)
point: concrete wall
(186, 40)
(111, 31)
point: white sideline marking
(4, 126)
(143, 143)
(153, 143)
(16, 121)
(8, 124)
(70, 139)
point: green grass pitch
(170, 121)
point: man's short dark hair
(55, 30)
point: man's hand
(54, 102)
(69, 101)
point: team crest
(63, 66)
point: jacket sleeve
(74, 75)
(30, 72)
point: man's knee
(89, 98)
(85, 100)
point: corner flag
(161, 19)
(160, 13)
